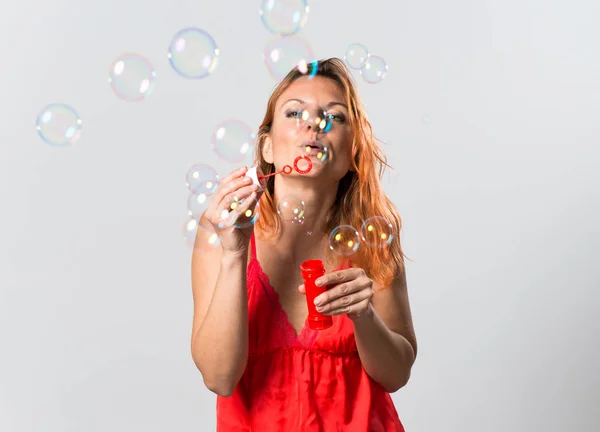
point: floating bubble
(290, 208)
(317, 150)
(374, 69)
(238, 214)
(131, 77)
(313, 117)
(298, 221)
(344, 240)
(208, 240)
(284, 53)
(202, 179)
(356, 55)
(233, 141)
(310, 70)
(197, 203)
(284, 17)
(58, 125)
(377, 231)
(193, 53)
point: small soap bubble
(197, 203)
(290, 208)
(192, 227)
(284, 17)
(193, 53)
(356, 55)
(374, 69)
(58, 125)
(233, 141)
(313, 117)
(310, 70)
(284, 53)
(317, 150)
(131, 77)
(202, 179)
(377, 231)
(344, 240)
(239, 214)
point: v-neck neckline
(305, 333)
(306, 336)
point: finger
(232, 186)
(346, 301)
(342, 290)
(356, 308)
(339, 276)
(230, 193)
(243, 209)
(234, 174)
(302, 289)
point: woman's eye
(336, 117)
(292, 114)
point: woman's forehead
(313, 90)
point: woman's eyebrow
(329, 105)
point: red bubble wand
(288, 169)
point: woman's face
(311, 119)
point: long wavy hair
(360, 194)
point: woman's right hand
(234, 187)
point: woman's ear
(267, 149)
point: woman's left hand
(350, 293)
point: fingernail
(318, 301)
(253, 187)
(318, 282)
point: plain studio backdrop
(489, 115)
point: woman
(250, 338)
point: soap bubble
(284, 17)
(356, 55)
(58, 125)
(316, 118)
(377, 231)
(131, 77)
(202, 179)
(309, 69)
(233, 141)
(193, 227)
(374, 69)
(197, 203)
(318, 150)
(344, 240)
(290, 208)
(284, 53)
(235, 215)
(193, 53)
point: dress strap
(253, 246)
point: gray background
(490, 117)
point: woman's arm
(220, 329)
(383, 327)
(385, 336)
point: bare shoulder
(392, 305)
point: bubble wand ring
(287, 169)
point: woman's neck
(306, 240)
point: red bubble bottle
(311, 270)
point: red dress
(310, 382)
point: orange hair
(360, 195)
